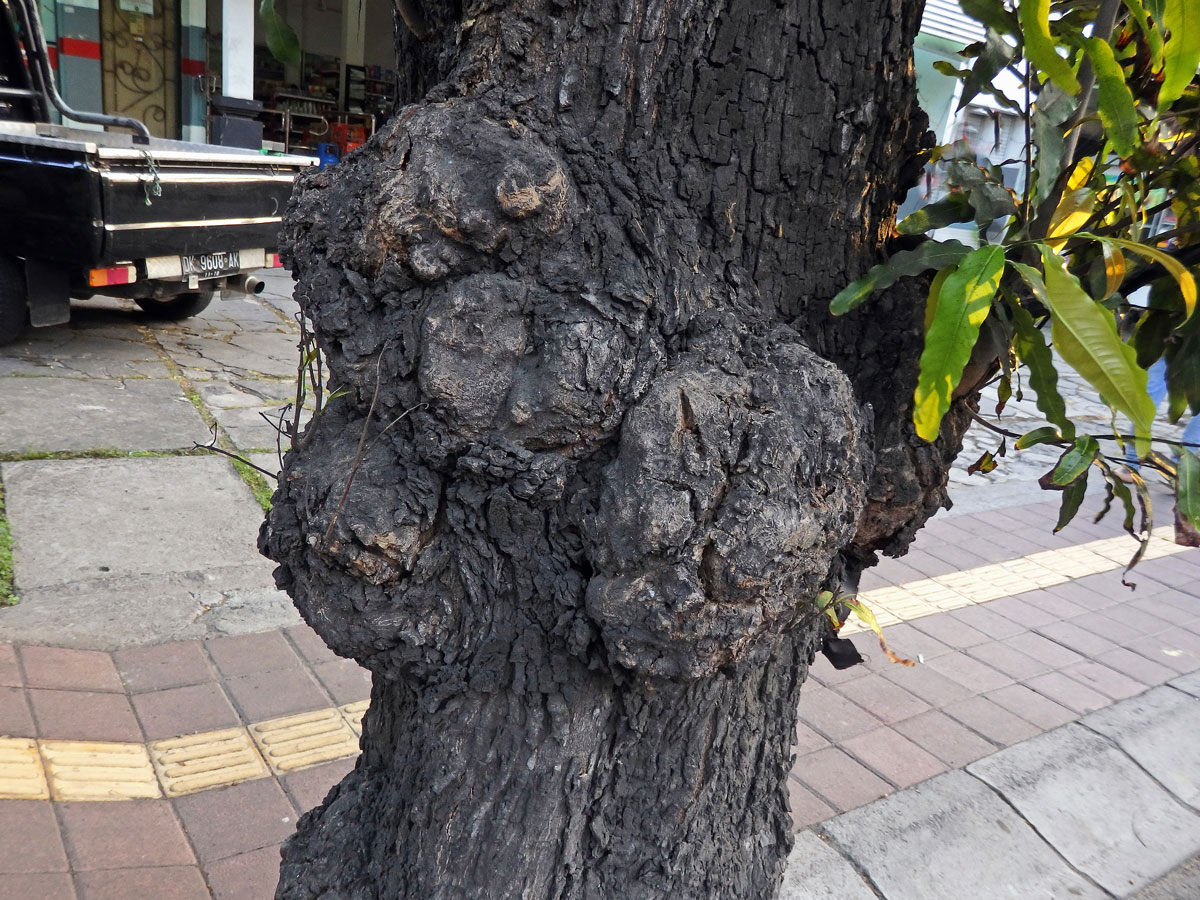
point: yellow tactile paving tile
(199, 762)
(89, 770)
(93, 770)
(21, 773)
(294, 742)
(353, 713)
(968, 587)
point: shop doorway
(139, 47)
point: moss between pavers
(259, 488)
(8, 596)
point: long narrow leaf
(1043, 376)
(1039, 45)
(928, 255)
(1154, 41)
(1181, 52)
(995, 56)
(1187, 284)
(1187, 487)
(1085, 336)
(1072, 499)
(1114, 101)
(963, 303)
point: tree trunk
(604, 443)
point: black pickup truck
(165, 223)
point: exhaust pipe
(247, 284)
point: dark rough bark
(592, 259)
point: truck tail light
(112, 275)
(273, 261)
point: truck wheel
(181, 306)
(14, 300)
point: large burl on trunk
(592, 256)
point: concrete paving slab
(950, 838)
(248, 429)
(119, 613)
(1189, 684)
(91, 520)
(240, 355)
(1095, 806)
(74, 414)
(82, 353)
(816, 871)
(1181, 883)
(1159, 730)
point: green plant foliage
(961, 305)
(1181, 51)
(906, 263)
(281, 39)
(1040, 47)
(1113, 97)
(1111, 102)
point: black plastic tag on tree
(841, 652)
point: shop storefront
(163, 61)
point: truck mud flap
(49, 293)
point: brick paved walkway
(991, 674)
(1017, 630)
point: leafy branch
(1111, 124)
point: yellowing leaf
(1187, 284)
(1114, 269)
(1074, 210)
(868, 618)
(1039, 45)
(1081, 174)
(963, 302)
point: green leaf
(964, 301)
(1154, 41)
(1072, 499)
(1075, 461)
(1187, 284)
(1181, 52)
(1040, 48)
(995, 55)
(1052, 109)
(1121, 490)
(1047, 434)
(1085, 336)
(1114, 101)
(906, 263)
(991, 13)
(1187, 487)
(1043, 377)
(992, 201)
(281, 39)
(954, 207)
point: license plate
(212, 265)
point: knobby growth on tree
(600, 454)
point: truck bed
(81, 196)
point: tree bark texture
(591, 258)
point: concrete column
(79, 75)
(193, 53)
(237, 48)
(354, 36)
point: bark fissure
(592, 256)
